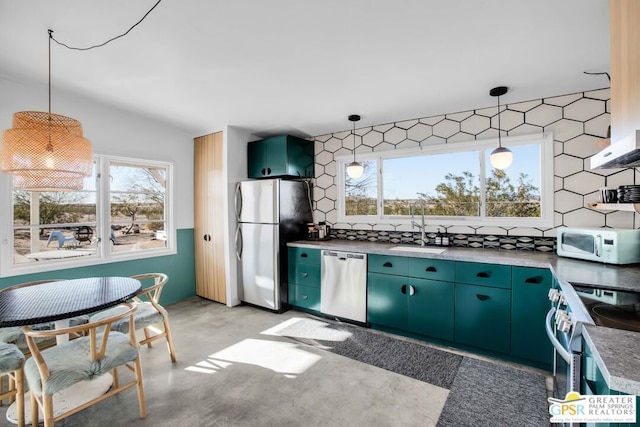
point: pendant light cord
(354, 141)
(101, 44)
(499, 126)
(50, 38)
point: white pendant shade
(501, 158)
(355, 170)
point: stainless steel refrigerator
(270, 213)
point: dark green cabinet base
(304, 297)
(304, 278)
(482, 317)
(529, 306)
(398, 301)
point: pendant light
(45, 151)
(501, 157)
(355, 169)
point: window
(123, 212)
(360, 193)
(453, 183)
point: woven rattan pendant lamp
(45, 151)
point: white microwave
(608, 245)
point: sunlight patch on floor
(298, 327)
(281, 357)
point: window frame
(103, 226)
(546, 219)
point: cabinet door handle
(263, 171)
(387, 264)
(412, 290)
(305, 274)
(403, 289)
(431, 269)
(534, 279)
(268, 171)
(482, 297)
(483, 275)
(304, 255)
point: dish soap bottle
(439, 238)
(445, 239)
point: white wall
(114, 132)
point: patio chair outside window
(58, 235)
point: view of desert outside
(66, 221)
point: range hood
(624, 153)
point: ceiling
(302, 66)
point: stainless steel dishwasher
(343, 285)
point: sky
(405, 177)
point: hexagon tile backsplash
(578, 121)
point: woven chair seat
(69, 363)
(14, 334)
(11, 358)
(146, 315)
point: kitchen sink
(421, 249)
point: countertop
(616, 352)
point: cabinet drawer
(435, 269)
(304, 296)
(386, 264)
(482, 317)
(304, 255)
(534, 277)
(304, 274)
(494, 275)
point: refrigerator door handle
(238, 243)
(237, 201)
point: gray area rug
(402, 357)
(480, 393)
(487, 394)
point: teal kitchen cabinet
(280, 156)
(304, 278)
(476, 273)
(529, 306)
(398, 300)
(483, 306)
(592, 382)
(386, 303)
(430, 308)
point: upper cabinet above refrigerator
(280, 156)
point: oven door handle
(552, 337)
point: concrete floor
(230, 373)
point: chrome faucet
(420, 226)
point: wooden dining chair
(149, 312)
(99, 351)
(11, 366)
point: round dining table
(63, 299)
(58, 301)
